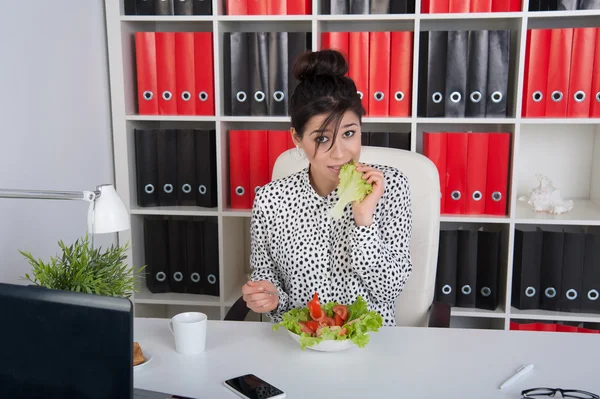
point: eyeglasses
(565, 393)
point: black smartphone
(250, 386)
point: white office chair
(414, 306)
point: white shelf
(539, 145)
(173, 298)
(174, 211)
(584, 213)
(475, 312)
(537, 314)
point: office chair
(415, 305)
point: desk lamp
(106, 214)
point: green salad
(332, 321)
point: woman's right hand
(260, 296)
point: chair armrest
(238, 311)
(439, 315)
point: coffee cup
(189, 330)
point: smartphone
(250, 386)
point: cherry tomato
(327, 321)
(314, 307)
(338, 320)
(304, 328)
(312, 325)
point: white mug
(189, 329)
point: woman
(297, 249)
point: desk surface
(398, 362)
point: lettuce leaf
(361, 321)
(351, 188)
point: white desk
(397, 363)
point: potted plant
(82, 268)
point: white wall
(55, 123)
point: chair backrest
(412, 306)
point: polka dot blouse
(301, 249)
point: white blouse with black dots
(301, 249)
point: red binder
(204, 73)
(336, 41)
(257, 7)
(299, 7)
(237, 7)
(401, 73)
(477, 154)
(145, 61)
(459, 6)
(595, 97)
(506, 5)
(277, 144)
(165, 73)
(561, 43)
(481, 5)
(184, 62)
(379, 73)
(497, 173)
(290, 141)
(239, 164)
(582, 68)
(277, 7)
(435, 6)
(536, 73)
(456, 172)
(566, 328)
(259, 161)
(358, 64)
(434, 148)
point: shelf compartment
(174, 298)
(584, 213)
(499, 313)
(174, 211)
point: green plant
(81, 268)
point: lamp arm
(88, 196)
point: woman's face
(327, 160)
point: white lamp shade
(108, 213)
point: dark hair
(324, 88)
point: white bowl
(327, 345)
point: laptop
(61, 344)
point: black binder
(210, 235)
(186, 167)
(432, 85)
(567, 5)
(456, 73)
(590, 295)
(589, 5)
(156, 250)
(297, 44)
(488, 260)
(146, 165)
(206, 168)
(377, 6)
(551, 270)
(194, 271)
(258, 63)
(164, 7)
(445, 284)
(278, 73)
(130, 7)
(466, 269)
(237, 83)
(365, 138)
(497, 77)
(167, 167)
(476, 97)
(526, 269)
(400, 140)
(572, 271)
(183, 7)
(336, 6)
(177, 254)
(146, 7)
(379, 139)
(400, 6)
(202, 7)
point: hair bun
(320, 63)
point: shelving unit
(576, 142)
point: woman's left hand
(363, 211)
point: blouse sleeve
(381, 251)
(261, 262)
